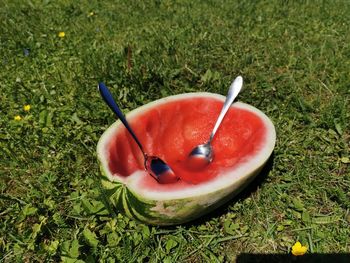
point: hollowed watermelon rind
(176, 208)
(169, 212)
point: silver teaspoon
(203, 154)
(155, 166)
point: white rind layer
(225, 183)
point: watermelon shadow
(245, 193)
(286, 258)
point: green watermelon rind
(172, 211)
(175, 211)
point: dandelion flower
(26, 107)
(18, 118)
(298, 249)
(61, 34)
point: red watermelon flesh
(173, 129)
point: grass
(294, 57)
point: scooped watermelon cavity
(169, 128)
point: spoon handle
(235, 88)
(108, 98)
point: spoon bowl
(155, 166)
(203, 154)
(200, 156)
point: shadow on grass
(286, 258)
(245, 193)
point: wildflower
(61, 34)
(26, 107)
(18, 118)
(298, 249)
(26, 52)
(91, 14)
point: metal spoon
(203, 154)
(155, 166)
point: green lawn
(295, 60)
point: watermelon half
(169, 128)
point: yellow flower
(26, 107)
(18, 118)
(298, 249)
(91, 14)
(61, 34)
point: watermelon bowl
(169, 128)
